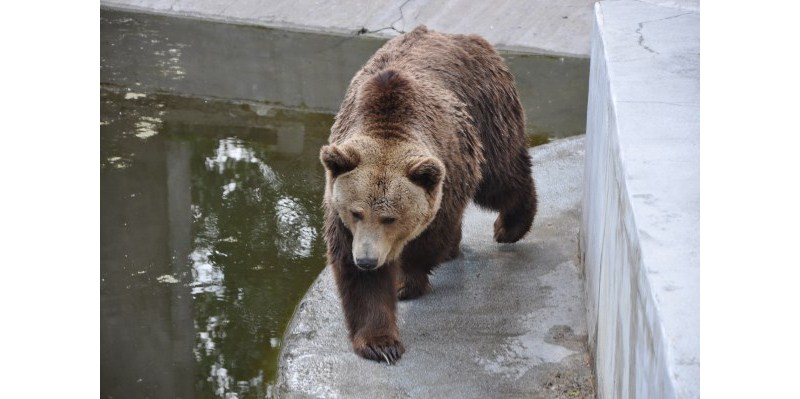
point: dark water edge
(211, 189)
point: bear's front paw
(384, 348)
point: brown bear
(429, 123)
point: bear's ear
(338, 159)
(426, 173)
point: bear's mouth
(367, 263)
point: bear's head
(385, 193)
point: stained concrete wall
(538, 26)
(186, 56)
(640, 225)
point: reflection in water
(206, 277)
(293, 220)
(296, 233)
(147, 127)
(209, 237)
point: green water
(211, 190)
(210, 235)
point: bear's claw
(381, 349)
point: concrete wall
(186, 56)
(539, 26)
(640, 229)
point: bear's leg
(413, 284)
(418, 259)
(516, 218)
(455, 245)
(439, 243)
(369, 301)
(513, 194)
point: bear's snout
(368, 249)
(367, 263)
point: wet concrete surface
(502, 321)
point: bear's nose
(367, 263)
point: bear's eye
(388, 220)
(357, 216)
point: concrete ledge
(502, 320)
(538, 26)
(640, 227)
(277, 68)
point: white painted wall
(640, 227)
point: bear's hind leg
(413, 285)
(417, 261)
(454, 246)
(439, 243)
(513, 195)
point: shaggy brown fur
(431, 122)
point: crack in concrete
(670, 17)
(641, 39)
(641, 26)
(222, 12)
(364, 29)
(419, 11)
(656, 102)
(402, 18)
